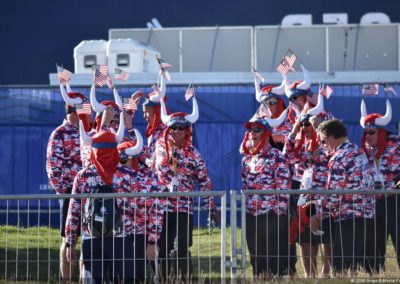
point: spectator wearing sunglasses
(272, 105)
(179, 166)
(383, 152)
(264, 168)
(311, 160)
(348, 169)
(299, 95)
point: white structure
(131, 56)
(297, 20)
(335, 18)
(88, 53)
(375, 18)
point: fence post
(223, 238)
(233, 224)
(243, 242)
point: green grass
(32, 255)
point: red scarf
(105, 160)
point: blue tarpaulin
(28, 115)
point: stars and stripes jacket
(304, 159)
(125, 180)
(348, 170)
(265, 171)
(190, 168)
(63, 157)
(389, 163)
(151, 144)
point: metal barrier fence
(30, 252)
(375, 257)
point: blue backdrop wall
(29, 115)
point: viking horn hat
(135, 150)
(375, 119)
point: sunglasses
(293, 99)
(272, 103)
(370, 132)
(178, 127)
(305, 124)
(255, 130)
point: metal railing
(29, 248)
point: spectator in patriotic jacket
(299, 95)
(152, 114)
(149, 213)
(264, 168)
(64, 161)
(270, 98)
(105, 254)
(311, 159)
(383, 152)
(353, 213)
(107, 119)
(179, 166)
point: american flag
(313, 99)
(155, 88)
(103, 69)
(370, 89)
(121, 74)
(163, 69)
(263, 112)
(291, 57)
(287, 63)
(83, 108)
(164, 73)
(389, 89)
(129, 104)
(258, 74)
(63, 75)
(110, 83)
(99, 78)
(189, 92)
(326, 91)
(163, 64)
(283, 67)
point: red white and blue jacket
(348, 170)
(63, 157)
(190, 169)
(265, 171)
(125, 180)
(151, 144)
(149, 212)
(283, 129)
(304, 159)
(389, 163)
